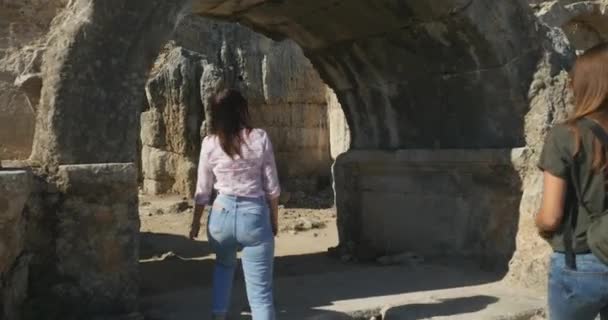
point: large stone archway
(437, 94)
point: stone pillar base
(15, 188)
(95, 267)
(434, 203)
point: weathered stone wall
(339, 132)
(170, 128)
(84, 221)
(23, 24)
(97, 239)
(15, 188)
(585, 23)
(286, 95)
(443, 203)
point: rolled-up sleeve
(557, 152)
(204, 183)
(272, 188)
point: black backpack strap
(570, 224)
(600, 134)
(597, 130)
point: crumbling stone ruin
(287, 97)
(447, 103)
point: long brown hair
(589, 83)
(229, 117)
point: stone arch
(88, 73)
(437, 45)
(447, 77)
(585, 23)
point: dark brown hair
(229, 117)
(589, 83)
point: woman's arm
(204, 188)
(271, 183)
(549, 218)
(274, 214)
(196, 221)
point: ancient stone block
(91, 96)
(97, 243)
(434, 203)
(15, 187)
(151, 129)
(170, 129)
(173, 93)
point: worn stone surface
(549, 104)
(339, 132)
(584, 22)
(286, 95)
(93, 82)
(435, 203)
(170, 128)
(471, 84)
(23, 25)
(15, 187)
(95, 248)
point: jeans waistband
(235, 198)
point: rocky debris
(302, 224)
(180, 207)
(162, 207)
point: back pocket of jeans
(217, 220)
(256, 224)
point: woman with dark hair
(238, 161)
(573, 213)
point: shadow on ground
(177, 287)
(442, 308)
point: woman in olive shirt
(574, 159)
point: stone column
(93, 73)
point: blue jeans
(242, 223)
(580, 294)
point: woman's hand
(195, 227)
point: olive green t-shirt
(557, 158)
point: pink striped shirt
(252, 175)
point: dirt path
(171, 262)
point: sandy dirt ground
(169, 261)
